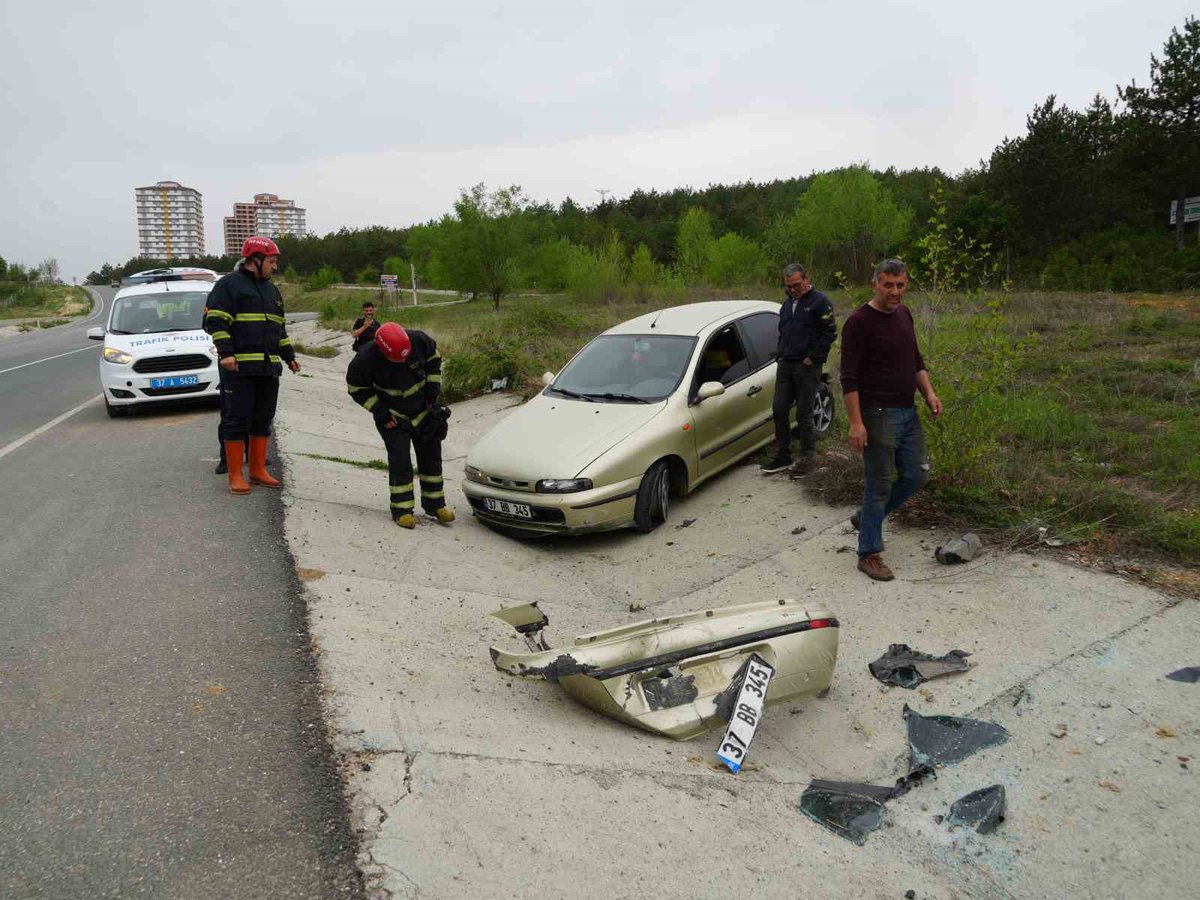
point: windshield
(626, 368)
(154, 313)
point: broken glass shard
(1191, 674)
(905, 667)
(942, 740)
(847, 808)
(983, 809)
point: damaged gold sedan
(679, 676)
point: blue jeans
(894, 468)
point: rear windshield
(154, 313)
(626, 368)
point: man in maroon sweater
(881, 370)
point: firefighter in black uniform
(245, 321)
(397, 378)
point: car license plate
(175, 381)
(747, 713)
(508, 509)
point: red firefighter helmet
(263, 245)
(393, 342)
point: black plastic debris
(1190, 674)
(686, 523)
(847, 808)
(905, 667)
(851, 809)
(983, 809)
(942, 740)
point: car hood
(555, 437)
(166, 342)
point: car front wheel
(653, 498)
(822, 413)
(115, 412)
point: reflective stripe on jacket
(244, 317)
(403, 391)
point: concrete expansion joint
(664, 779)
(1012, 694)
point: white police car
(155, 347)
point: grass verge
(369, 464)
(322, 352)
(54, 301)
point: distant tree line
(1080, 201)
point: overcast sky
(378, 113)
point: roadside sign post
(1191, 210)
(389, 283)
(413, 272)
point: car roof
(164, 287)
(692, 318)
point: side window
(724, 359)
(762, 334)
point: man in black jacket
(245, 321)
(398, 378)
(363, 330)
(806, 332)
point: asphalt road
(161, 731)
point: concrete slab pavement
(467, 782)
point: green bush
(368, 276)
(325, 277)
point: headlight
(120, 357)
(473, 474)
(563, 485)
(212, 351)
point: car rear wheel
(115, 412)
(822, 412)
(653, 498)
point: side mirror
(710, 389)
(547, 378)
(95, 334)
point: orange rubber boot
(258, 462)
(235, 455)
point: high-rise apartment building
(170, 221)
(267, 216)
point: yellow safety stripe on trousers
(432, 495)
(400, 417)
(220, 314)
(278, 320)
(432, 479)
(370, 402)
(250, 317)
(436, 379)
(401, 487)
(355, 388)
(220, 336)
(397, 392)
(285, 342)
(403, 504)
(257, 357)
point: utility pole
(412, 270)
(603, 192)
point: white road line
(48, 358)
(20, 442)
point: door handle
(754, 389)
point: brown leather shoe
(873, 566)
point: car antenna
(655, 322)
